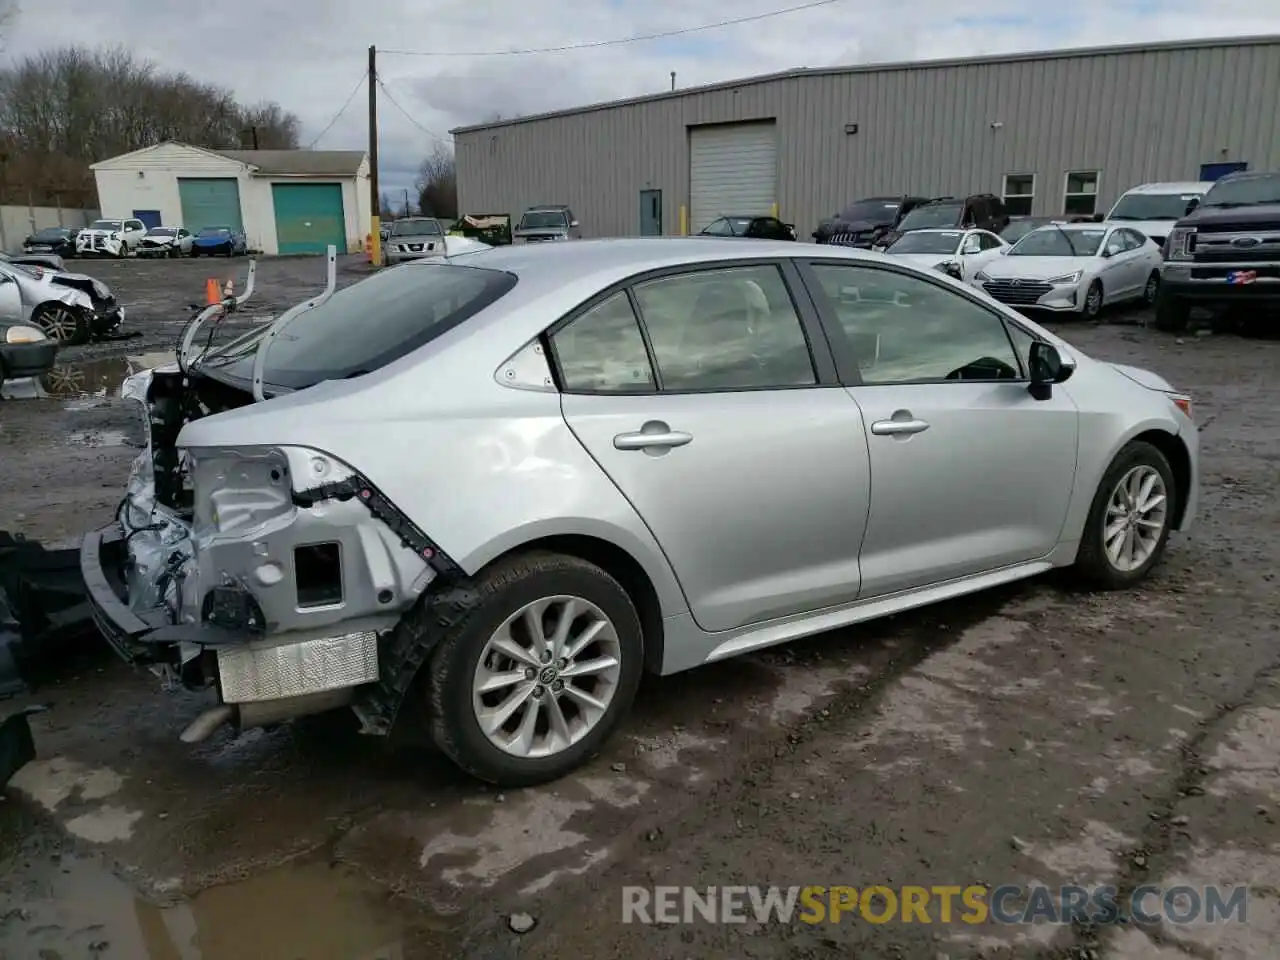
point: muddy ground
(1036, 734)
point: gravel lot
(1032, 734)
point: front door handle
(663, 438)
(898, 428)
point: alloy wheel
(546, 676)
(58, 323)
(1093, 301)
(1135, 519)
(1152, 288)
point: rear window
(369, 324)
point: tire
(1151, 292)
(67, 325)
(497, 595)
(1172, 315)
(1093, 562)
(1092, 301)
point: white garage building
(286, 201)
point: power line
(591, 44)
(408, 116)
(341, 110)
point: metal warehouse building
(1052, 132)
(286, 201)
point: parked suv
(982, 211)
(863, 222)
(1226, 250)
(552, 222)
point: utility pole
(375, 218)
(253, 131)
(406, 201)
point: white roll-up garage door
(733, 170)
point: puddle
(70, 906)
(98, 379)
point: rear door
(969, 472)
(708, 397)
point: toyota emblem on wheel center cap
(548, 675)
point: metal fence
(17, 222)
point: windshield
(542, 219)
(1056, 242)
(932, 215)
(878, 211)
(1152, 206)
(214, 231)
(1230, 193)
(50, 233)
(161, 232)
(920, 242)
(106, 225)
(369, 324)
(416, 228)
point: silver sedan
(543, 470)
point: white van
(1153, 208)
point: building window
(1081, 195)
(1019, 191)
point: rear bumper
(27, 359)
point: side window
(1021, 344)
(719, 228)
(602, 351)
(972, 244)
(134, 225)
(1115, 243)
(1134, 240)
(989, 241)
(731, 329)
(903, 329)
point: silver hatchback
(540, 471)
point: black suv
(1225, 251)
(984, 211)
(863, 222)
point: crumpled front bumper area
(98, 243)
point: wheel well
(1179, 461)
(624, 568)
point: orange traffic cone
(212, 293)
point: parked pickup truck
(1225, 251)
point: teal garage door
(309, 217)
(213, 202)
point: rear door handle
(897, 428)
(646, 441)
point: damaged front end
(266, 573)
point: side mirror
(573, 223)
(952, 270)
(1048, 366)
(1192, 204)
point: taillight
(1183, 404)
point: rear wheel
(1152, 290)
(1172, 314)
(67, 325)
(1130, 519)
(530, 682)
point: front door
(650, 213)
(937, 379)
(751, 474)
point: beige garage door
(733, 170)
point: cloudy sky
(310, 54)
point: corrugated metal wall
(1133, 116)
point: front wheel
(65, 324)
(1130, 519)
(1093, 301)
(1152, 290)
(530, 681)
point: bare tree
(63, 109)
(385, 210)
(438, 184)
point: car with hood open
(69, 308)
(1074, 268)
(111, 238)
(1153, 208)
(1225, 251)
(538, 473)
(864, 222)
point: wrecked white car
(112, 238)
(67, 307)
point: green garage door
(213, 202)
(309, 217)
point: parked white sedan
(968, 250)
(1074, 268)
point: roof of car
(1181, 186)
